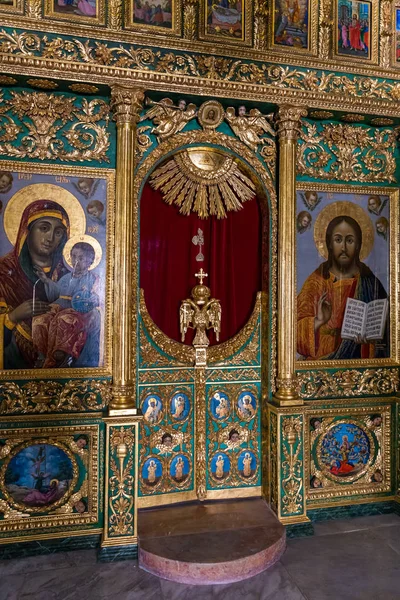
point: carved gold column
(126, 103)
(288, 125)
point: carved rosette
(190, 8)
(288, 121)
(126, 103)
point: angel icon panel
(179, 406)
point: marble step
(210, 542)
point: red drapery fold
(232, 259)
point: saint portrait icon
(247, 464)
(180, 468)
(179, 406)
(342, 307)
(152, 409)
(345, 450)
(220, 406)
(52, 277)
(152, 471)
(246, 405)
(220, 466)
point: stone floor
(355, 559)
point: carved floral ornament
(184, 68)
(53, 127)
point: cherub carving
(168, 118)
(249, 126)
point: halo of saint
(348, 209)
(88, 239)
(39, 191)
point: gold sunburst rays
(205, 181)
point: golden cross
(201, 274)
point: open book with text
(367, 320)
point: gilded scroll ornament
(273, 461)
(42, 84)
(93, 53)
(168, 118)
(348, 383)
(260, 24)
(325, 28)
(292, 480)
(121, 481)
(386, 35)
(201, 433)
(53, 396)
(190, 19)
(45, 117)
(346, 152)
(83, 88)
(204, 181)
(34, 9)
(115, 14)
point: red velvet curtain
(233, 261)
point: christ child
(60, 334)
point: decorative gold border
(100, 19)
(394, 284)
(58, 518)
(396, 37)
(166, 499)
(312, 48)
(341, 490)
(110, 423)
(16, 7)
(149, 30)
(109, 176)
(373, 35)
(246, 39)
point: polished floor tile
(347, 559)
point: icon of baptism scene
(291, 23)
(81, 8)
(39, 475)
(354, 25)
(342, 276)
(52, 271)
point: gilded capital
(288, 121)
(126, 103)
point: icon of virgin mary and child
(49, 316)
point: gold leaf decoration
(203, 181)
